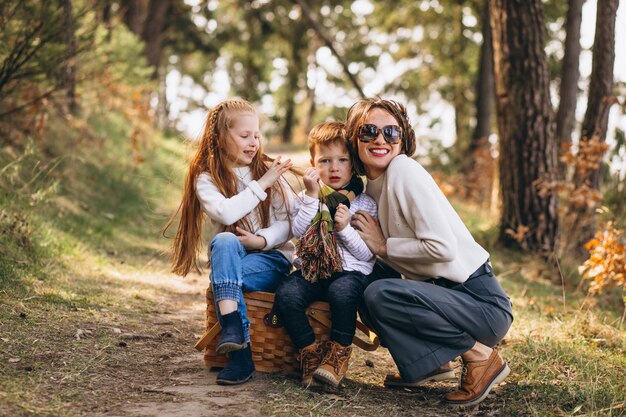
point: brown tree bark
(152, 32)
(460, 101)
(528, 151)
(596, 120)
(478, 165)
(296, 69)
(134, 14)
(589, 179)
(485, 86)
(570, 73)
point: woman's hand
(274, 172)
(311, 181)
(371, 233)
(342, 217)
(250, 241)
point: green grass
(80, 230)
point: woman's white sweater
(426, 238)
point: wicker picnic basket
(272, 349)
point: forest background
(521, 124)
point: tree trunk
(134, 14)
(570, 73)
(589, 179)
(528, 151)
(485, 87)
(152, 32)
(596, 121)
(296, 68)
(478, 163)
(68, 77)
(106, 18)
(460, 100)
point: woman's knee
(224, 240)
(374, 297)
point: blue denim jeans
(342, 290)
(235, 271)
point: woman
(449, 303)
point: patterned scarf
(317, 248)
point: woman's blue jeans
(235, 271)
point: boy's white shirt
(225, 211)
(355, 255)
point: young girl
(241, 191)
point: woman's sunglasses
(369, 132)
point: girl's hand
(274, 172)
(311, 181)
(371, 233)
(342, 217)
(250, 241)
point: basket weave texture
(272, 348)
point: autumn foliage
(606, 265)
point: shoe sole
(434, 378)
(326, 377)
(229, 347)
(229, 382)
(313, 383)
(499, 378)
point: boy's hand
(311, 181)
(274, 172)
(250, 241)
(342, 217)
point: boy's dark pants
(343, 291)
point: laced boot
(334, 365)
(310, 358)
(232, 334)
(477, 379)
(239, 368)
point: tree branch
(329, 43)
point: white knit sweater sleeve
(349, 237)
(224, 210)
(419, 204)
(305, 209)
(279, 231)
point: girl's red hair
(212, 157)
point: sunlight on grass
(88, 254)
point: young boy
(332, 166)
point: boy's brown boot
(310, 358)
(334, 365)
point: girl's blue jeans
(235, 271)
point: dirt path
(170, 380)
(179, 385)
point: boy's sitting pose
(332, 166)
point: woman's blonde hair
(356, 118)
(212, 157)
